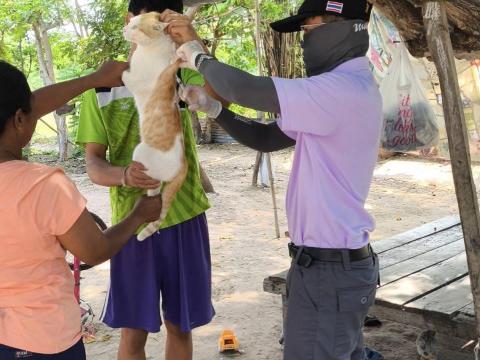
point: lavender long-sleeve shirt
(336, 119)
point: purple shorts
(172, 266)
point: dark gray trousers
(327, 304)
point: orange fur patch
(161, 119)
(150, 24)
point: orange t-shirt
(38, 311)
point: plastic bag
(409, 120)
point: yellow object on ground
(228, 342)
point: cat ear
(160, 26)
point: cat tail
(151, 228)
(170, 189)
(172, 69)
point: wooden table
(424, 280)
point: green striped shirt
(109, 117)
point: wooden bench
(424, 280)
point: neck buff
(329, 45)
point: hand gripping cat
(152, 81)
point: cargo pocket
(352, 307)
(356, 299)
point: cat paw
(142, 236)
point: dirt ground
(405, 193)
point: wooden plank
(468, 310)
(421, 283)
(415, 234)
(459, 326)
(440, 44)
(447, 300)
(421, 246)
(421, 262)
(276, 284)
(389, 273)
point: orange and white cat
(152, 81)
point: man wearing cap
(333, 117)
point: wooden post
(260, 114)
(438, 37)
(274, 198)
(256, 169)
(259, 160)
(206, 183)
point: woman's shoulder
(30, 174)
(44, 171)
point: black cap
(349, 9)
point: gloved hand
(188, 52)
(198, 99)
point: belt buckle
(292, 250)
(309, 260)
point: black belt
(310, 254)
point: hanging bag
(409, 120)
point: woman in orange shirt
(42, 214)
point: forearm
(101, 172)
(215, 96)
(239, 87)
(254, 134)
(50, 98)
(115, 237)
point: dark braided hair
(136, 6)
(14, 93)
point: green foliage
(228, 26)
(105, 19)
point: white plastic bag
(409, 120)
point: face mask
(329, 45)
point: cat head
(145, 29)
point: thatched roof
(463, 17)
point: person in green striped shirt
(171, 267)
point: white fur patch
(161, 165)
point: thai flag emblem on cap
(334, 6)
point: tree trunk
(72, 16)
(40, 54)
(81, 19)
(197, 128)
(62, 136)
(206, 184)
(45, 60)
(78, 31)
(48, 54)
(208, 131)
